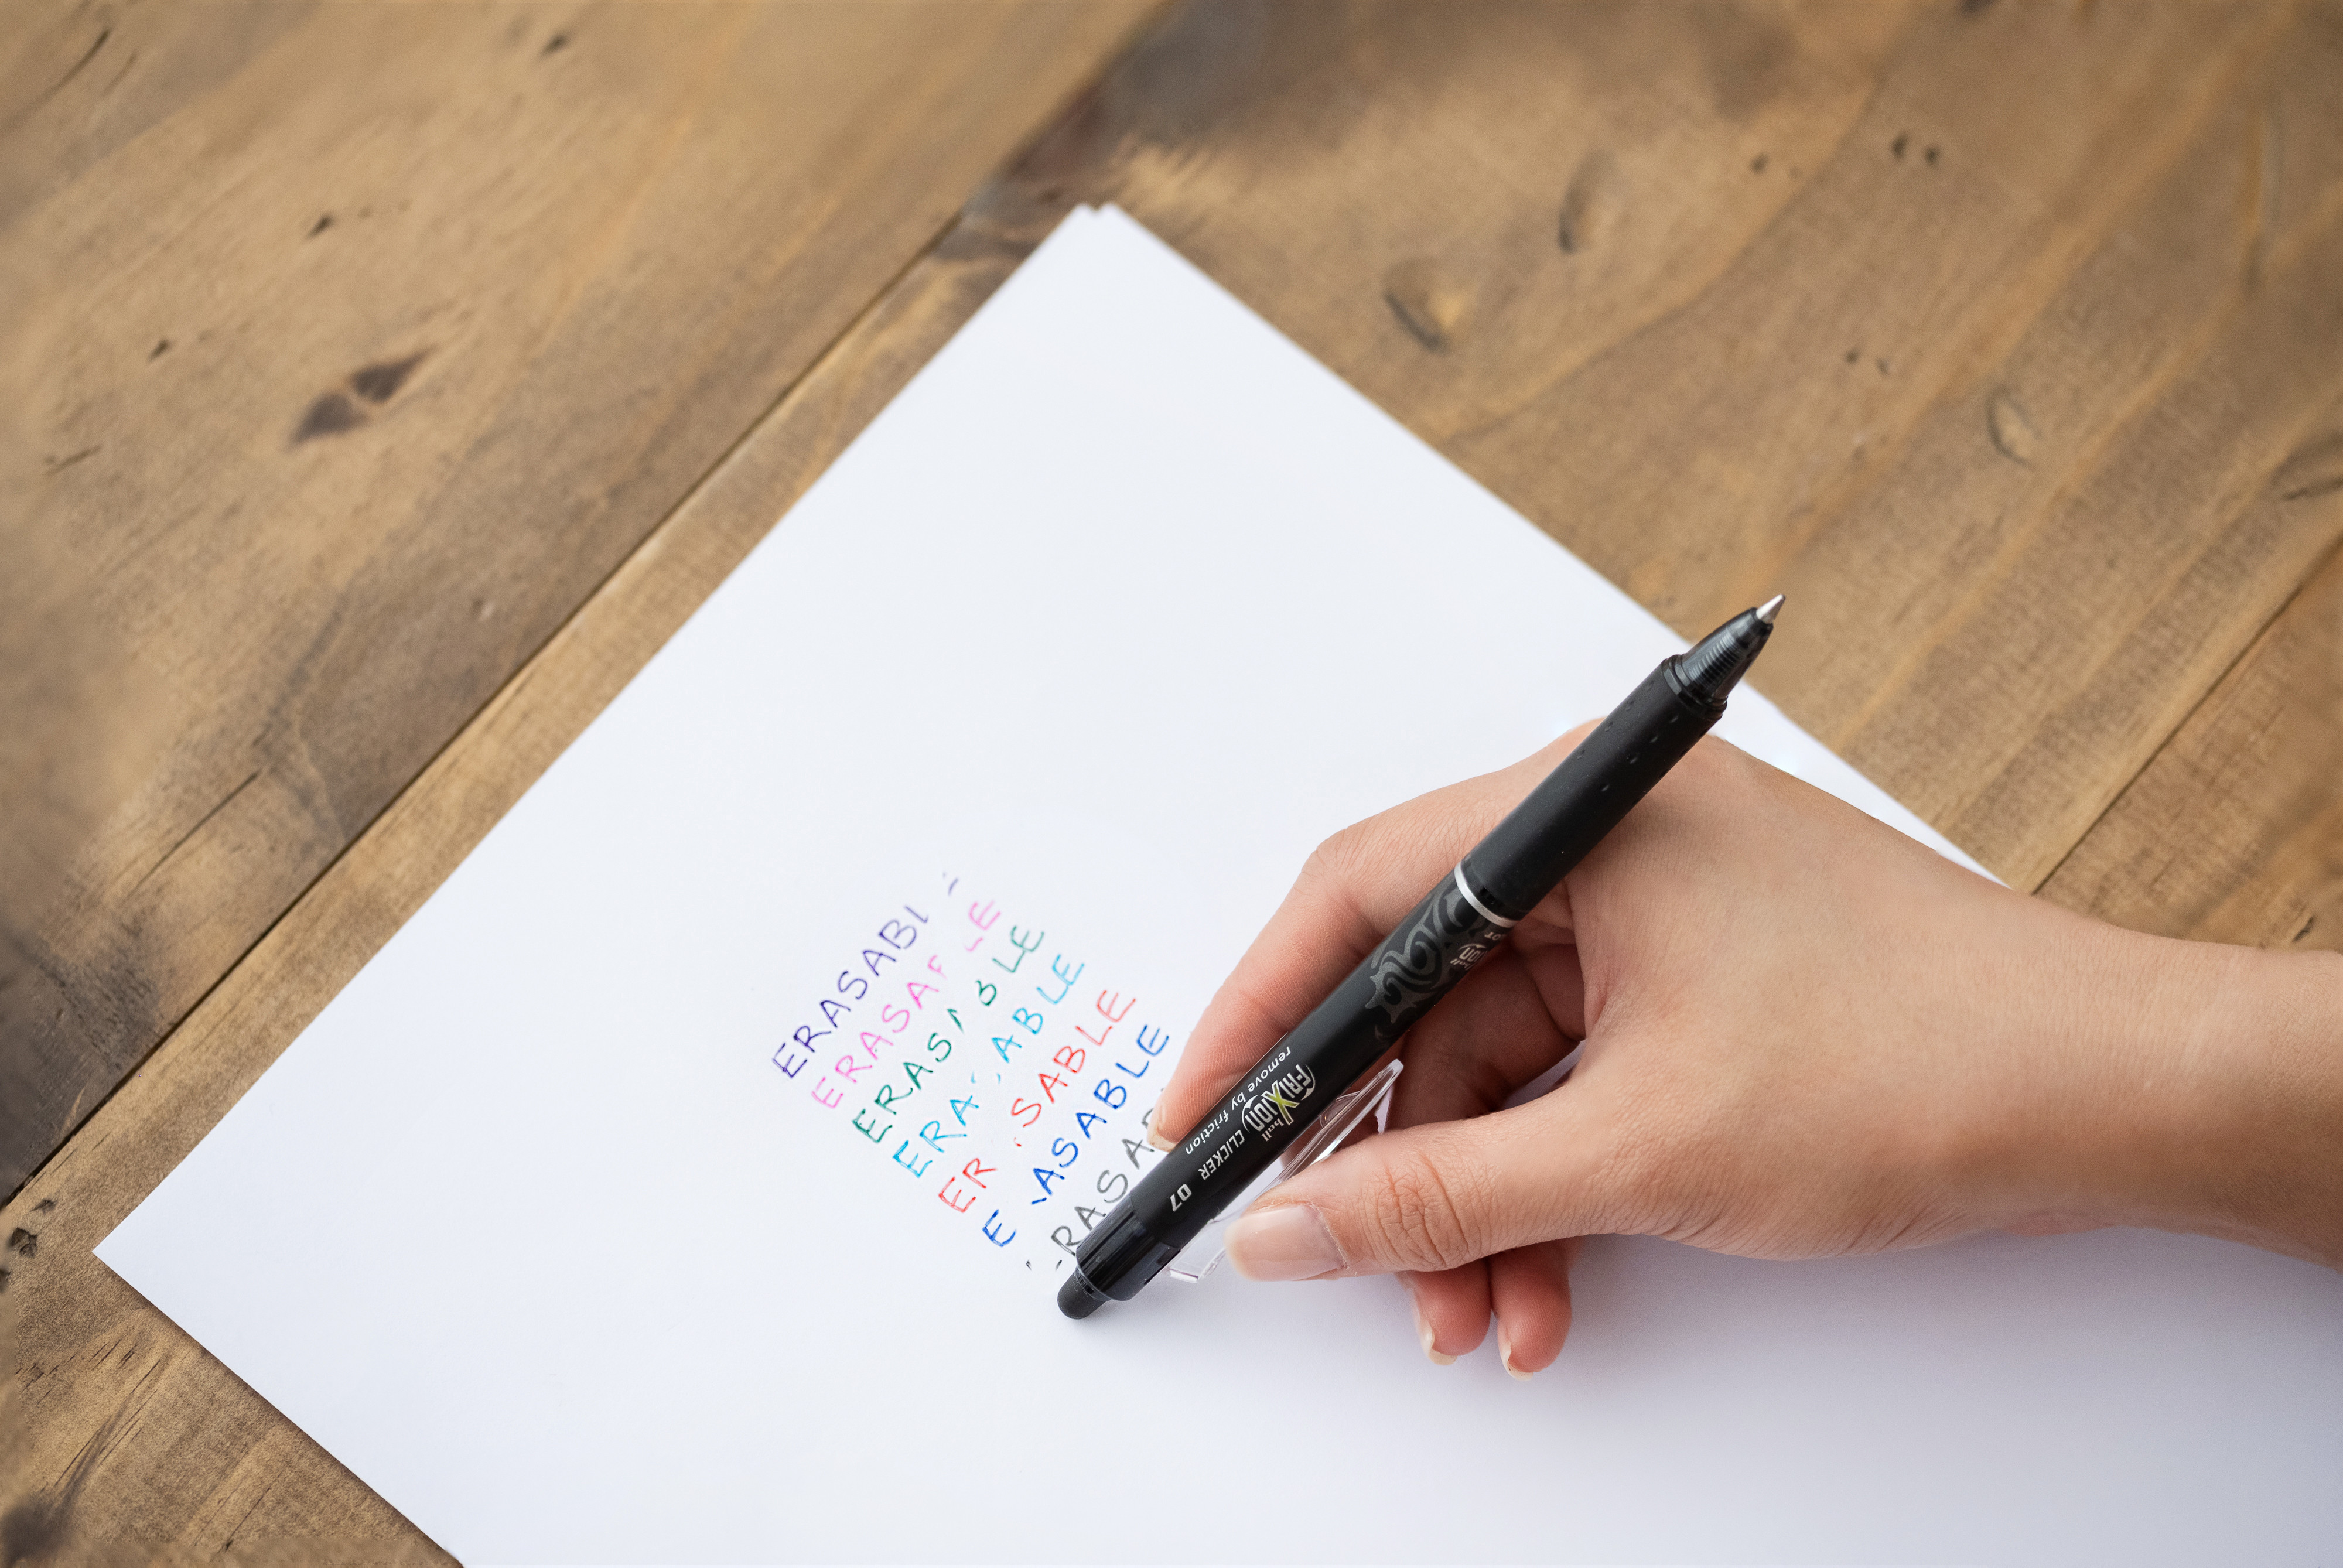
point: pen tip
(1769, 609)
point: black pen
(1459, 922)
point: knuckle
(1420, 1215)
(1335, 855)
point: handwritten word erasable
(1061, 1075)
(1108, 1096)
(1073, 1060)
(983, 915)
(891, 940)
(885, 1099)
(961, 1189)
(1033, 1019)
(901, 1047)
(1058, 1184)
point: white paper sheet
(550, 1228)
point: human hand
(1805, 1035)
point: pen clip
(1319, 1140)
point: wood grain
(2234, 832)
(346, 351)
(1612, 257)
(1984, 332)
(133, 1433)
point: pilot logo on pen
(1279, 1101)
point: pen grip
(1443, 938)
(1545, 837)
(1458, 923)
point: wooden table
(384, 387)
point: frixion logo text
(1277, 1102)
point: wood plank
(1394, 190)
(2234, 833)
(167, 1442)
(346, 350)
(1982, 331)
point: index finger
(1353, 890)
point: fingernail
(1505, 1354)
(1424, 1332)
(1287, 1242)
(1157, 1141)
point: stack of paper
(691, 1178)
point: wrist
(2230, 1062)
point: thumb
(1436, 1196)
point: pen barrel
(1289, 1088)
(1545, 837)
(1458, 923)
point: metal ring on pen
(1487, 914)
